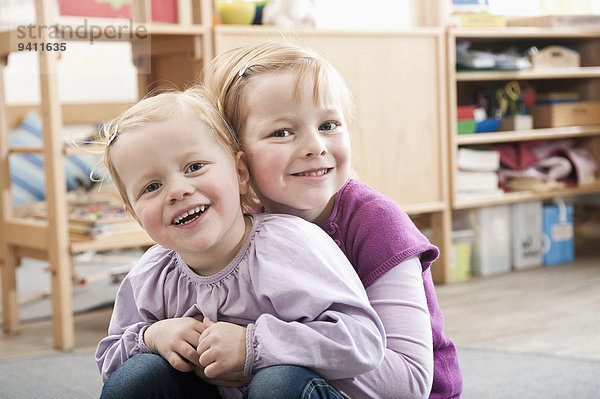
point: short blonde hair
(228, 74)
(196, 102)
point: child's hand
(222, 348)
(175, 340)
(233, 380)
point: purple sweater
(377, 235)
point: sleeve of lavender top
(135, 309)
(407, 368)
(321, 317)
(124, 333)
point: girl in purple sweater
(224, 293)
(289, 108)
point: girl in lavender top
(289, 108)
(223, 293)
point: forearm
(407, 369)
(333, 349)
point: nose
(179, 189)
(314, 144)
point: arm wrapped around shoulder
(319, 315)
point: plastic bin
(559, 244)
(492, 246)
(460, 259)
(527, 236)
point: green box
(466, 126)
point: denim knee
(289, 382)
(147, 375)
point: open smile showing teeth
(313, 173)
(189, 216)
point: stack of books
(478, 173)
(98, 220)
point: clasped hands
(216, 352)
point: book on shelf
(89, 220)
(98, 220)
(468, 181)
(478, 160)
(478, 195)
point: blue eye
(152, 187)
(281, 133)
(328, 126)
(194, 167)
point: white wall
(86, 72)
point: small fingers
(179, 363)
(206, 357)
(203, 342)
(213, 370)
(189, 353)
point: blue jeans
(289, 382)
(149, 376)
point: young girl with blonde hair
(290, 109)
(223, 293)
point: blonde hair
(228, 74)
(196, 102)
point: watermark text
(90, 32)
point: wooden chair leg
(10, 307)
(61, 297)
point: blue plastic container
(487, 125)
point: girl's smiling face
(184, 189)
(298, 149)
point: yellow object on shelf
(482, 20)
(236, 12)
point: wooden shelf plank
(528, 135)
(85, 149)
(424, 208)
(531, 74)
(523, 196)
(525, 32)
(118, 241)
(27, 233)
(276, 31)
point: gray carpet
(501, 375)
(487, 375)
(55, 376)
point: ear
(242, 172)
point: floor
(553, 310)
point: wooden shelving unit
(169, 52)
(584, 79)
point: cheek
(267, 162)
(149, 217)
(342, 152)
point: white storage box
(527, 236)
(491, 249)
